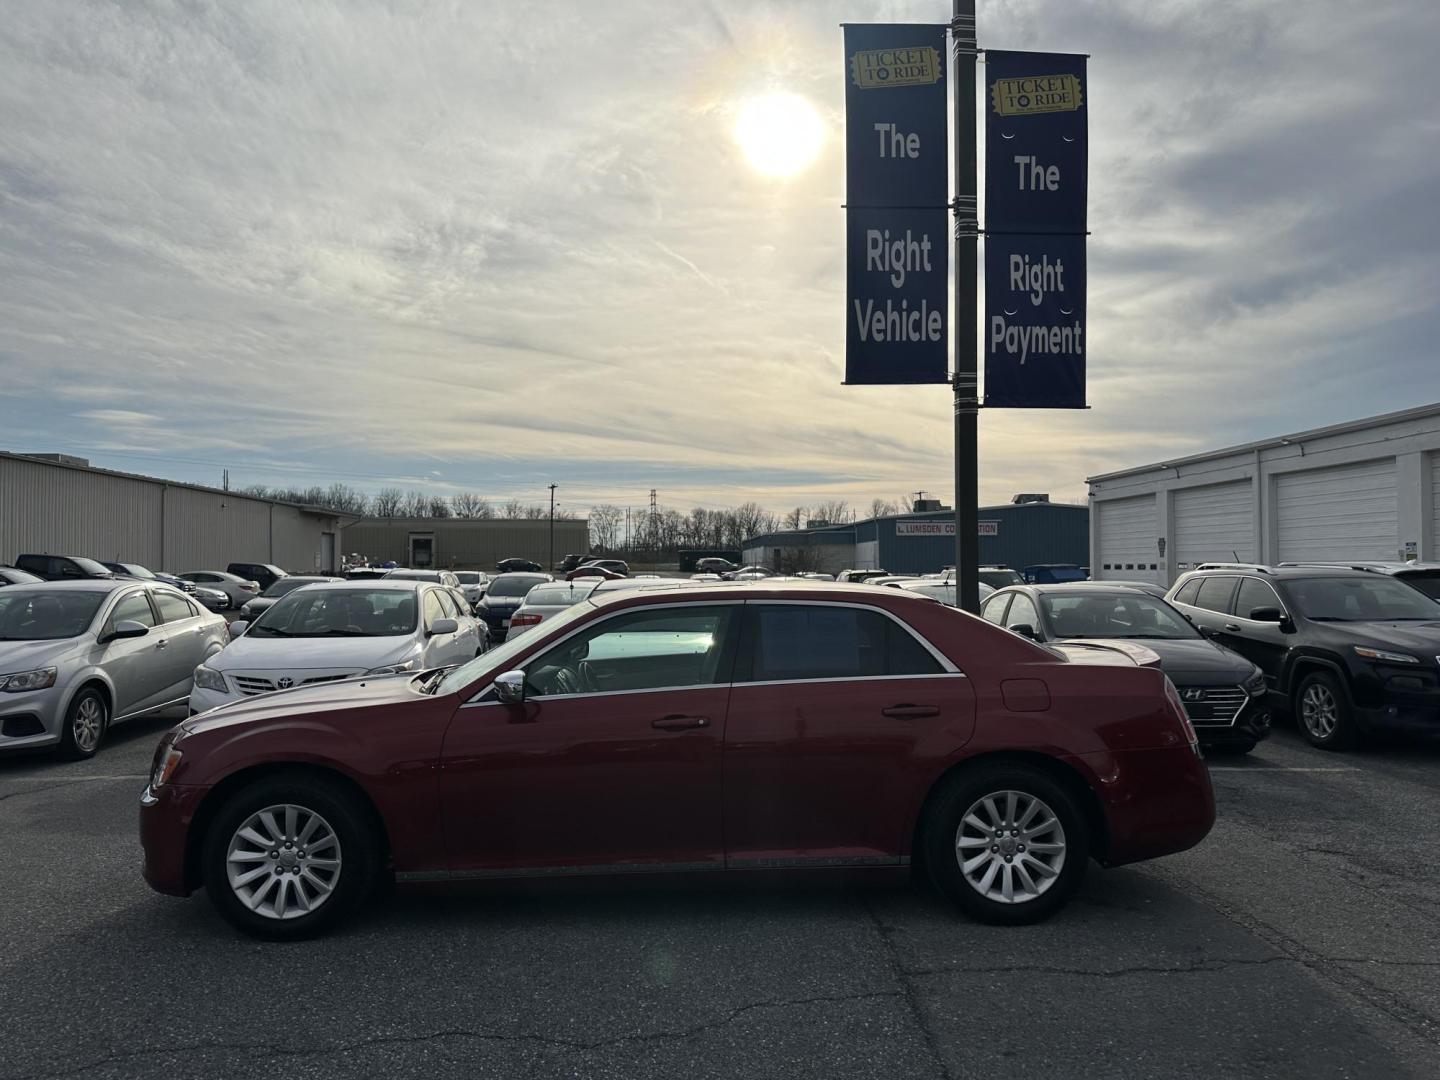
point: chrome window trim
(850, 679)
(1279, 603)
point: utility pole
(552, 526)
(966, 209)
(654, 519)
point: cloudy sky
(484, 246)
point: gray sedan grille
(251, 685)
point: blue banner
(1034, 335)
(897, 179)
(1036, 161)
(1036, 142)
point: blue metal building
(1013, 534)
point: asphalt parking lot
(1302, 939)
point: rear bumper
(1156, 802)
(165, 818)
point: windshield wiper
(340, 633)
(270, 630)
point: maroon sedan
(735, 726)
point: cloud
(352, 241)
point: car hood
(1114, 652)
(1185, 660)
(25, 655)
(259, 654)
(1417, 637)
(360, 693)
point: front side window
(793, 642)
(43, 616)
(667, 648)
(1215, 593)
(434, 608)
(133, 608)
(994, 609)
(1360, 599)
(1022, 613)
(1253, 594)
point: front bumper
(165, 819)
(32, 719)
(202, 700)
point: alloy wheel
(88, 724)
(283, 861)
(1319, 710)
(1010, 846)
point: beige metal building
(462, 543)
(61, 505)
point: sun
(780, 133)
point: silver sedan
(78, 656)
(549, 599)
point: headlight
(1388, 657)
(1255, 685)
(393, 669)
(167, 758)
(21, 681)
(207, 678)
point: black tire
(1317, 693)
(75, 743)
(941, 842)
(340, 809)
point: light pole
(552, 526)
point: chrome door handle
(910, 712)
(680, 723)
(1232, 628)
(161, 643)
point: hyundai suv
(1350, 652)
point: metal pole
(552, 526)
(962, 328)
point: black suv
(263, 574)
(1348, 651)
(1223, 693)
(62, 567)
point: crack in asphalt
(907, 990)
(273, 1050)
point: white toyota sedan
(339, 630)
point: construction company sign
(941, 528)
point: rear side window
(1215, 594)
(173, 608)
(36, 564)
(798, 642)
(1188, 591)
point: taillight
(523, 620)
(1173, 696)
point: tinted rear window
(1215, 593)
(824, 642)
(1427, 581)
(514, 586)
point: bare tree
(466, 504)
(387, 502)
(605, 522)
(835, 512)
(415, 504)
(340, 496)
(512, 509)
(883, 508)
(795, 519)
(439, 507)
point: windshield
(41, 616)
(281, 586)
(1360, 599)
(130, 570)
(998, 579)
(339, 613)
(1131, 616)
(569, 593)
(414, 575)
(1427, 581)
(497, 658)
(515, 586)
(90, 566)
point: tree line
(393, 502)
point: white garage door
(1430, 552)
(1348, 512)
(1214, 524)
(1126, 531)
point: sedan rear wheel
(289, 857)
(1006, 843)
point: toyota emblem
(1192, 695)
(285, 683)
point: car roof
(1086, 588)
(1284, 572)
(105, 585)
(760, 590)
(396, 584)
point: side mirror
(238, 627)
(127, 628)
(1267, 614)
(1024, 629)
(510, 687)
(443, 626)
(1205, 631)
